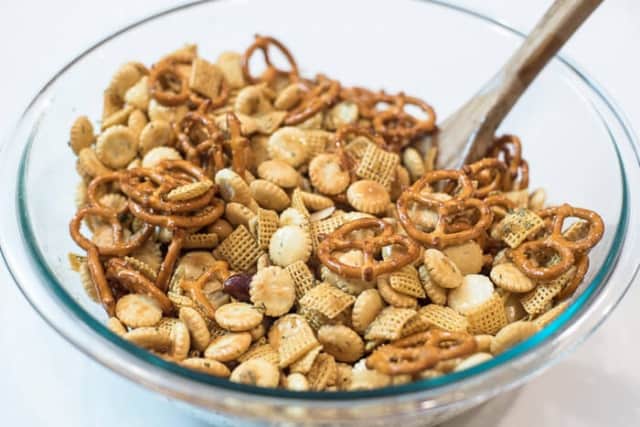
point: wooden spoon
(466, 135)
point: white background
(44, 381)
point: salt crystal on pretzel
(239, 249)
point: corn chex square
(388, 325)
(518, 225)
(327, 299)
(239, 249)
(206, 78)
(378, 165)
(444, 318)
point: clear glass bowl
(579, 147)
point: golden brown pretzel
(220, 270)
(149, 187)
(202, 218)
(120, 245)
(321, 96)
(420, 351)
(582, 265)
(367, 100)
(166, 84)
(509, 147)
(105, 294)
(196, 133)
(398, 127)
(488, 173)
(122, 272)
(443, 234)
(94, 189)
(340, 240)
(173, 252)
(527, 254)
(392, 360)
(263, 43)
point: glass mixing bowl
(579, 147)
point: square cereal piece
(305, 363)
(296, 344)
(267, 224)
(327, 299)
(536, 301)
(261, 351)
(489, 317)
(406, 282)
(378, 165)
(518, 225)
(414, 325)
(388, 325)
(321, 229)
(444, 318)
(302, 277)
(206, 78)
(297, 202)
(239, 249)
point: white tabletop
(45, 381)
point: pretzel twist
(121, 271)
(399, 127)
(526, 256)
(149, 187)
(264, 43)
(509, 148)
(218, 270)
(162, 76)
(445, 233)
(340, 241)
(488, 173)
(321, 96)
(421, 351)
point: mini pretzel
(398, 126)
(120, 246)
(525, 255)
(195, 132)
(444, 234)
(119, 270)
(100, 281)
(165, 74)
(264, 43)
(93, 190)
(392, 360)
(421, 351)
(200, 219)
(173, 252)
(219, 270)
(321, 96)
(148, 187)
(488, 173)
(582, 265)
(509, 147)
(370, 269)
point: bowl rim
(520, 350)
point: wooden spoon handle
(491, 105)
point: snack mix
(289, 232)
